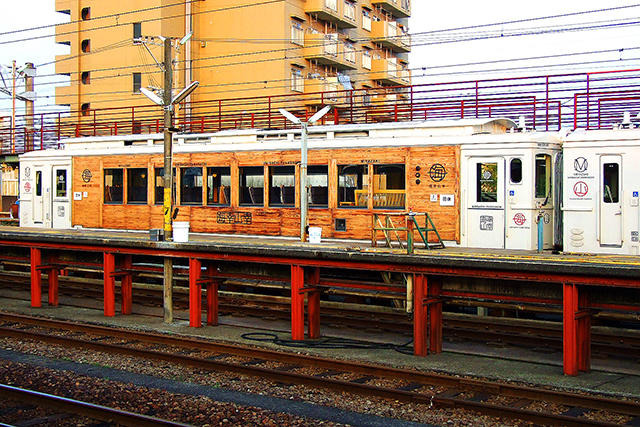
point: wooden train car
(482, 184)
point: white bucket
(181, 231)
(315, 234)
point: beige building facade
(239, 49)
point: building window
(366, 19)
(85, 109)
(61, 183)
(331, 4)
(137, 30)
(515, 171)
(85, 46)
(543, 176)
(252, 186)
(366, 59)
(137, 82)
(85, 14)
(159, 186)
(85, 77)
(318, 181)
(350, 10)
(191, 186)
(487, 182)
(137, 179)
(389, 186)
(349, 53)
(219, 186)
(113, 186)
(282, 186)
(353, 186)
(297, 33)
(297, 82)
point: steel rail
(565, 398)
(90, 410)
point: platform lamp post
(304, 202)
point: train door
(41, 201)
(610, 200)
(485, 202)
(61, 204)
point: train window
(515, 171)
(137, 179)
(191, 186)
(219, 186)
(113, 186)
(611, 182)
(318, 181)
(388, 186)
(486, 182)
(159, 185)
(61, 183)
(543, 175)
(38, 183)
(353, 186)
(252, 186)
(282, 186)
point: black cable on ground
(328, 343)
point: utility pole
(29, 73)
(168, 149)
(13, 109)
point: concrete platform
(611, 377)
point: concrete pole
(168, 149)
(304, 200)
(28, 103)
(13, 109)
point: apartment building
(239, 48)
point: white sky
(426, 16)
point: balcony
(390, 35)
(397, 8)
(388, 72)
(64, 65)
(326, 49)
(329, 87)
(333, 11)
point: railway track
(433, 390)
(70, 408)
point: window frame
(241, 186)
(120, 201)
(221, 186)
(361, 184)
(130, 189)
(283, 170)
(182, 171)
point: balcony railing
(390, 35)
(326, 49)
(397, 8)
(331, 11)
(388, 72)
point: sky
(431, 58)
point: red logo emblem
(580, 189)
(519, 219)
(27, 187)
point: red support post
(576, 330)
(36, 278)
(419, 315)
(313, 305)
(212, 299)
(297, 303)
(109, 285)
(435, 316)
(126, 285)
(195, 293)
(53, 286)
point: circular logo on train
(437, 172)
(519, 218)
(580, 164)
(86, 175)
(580, 189)
(27, 187)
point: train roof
(445, 132)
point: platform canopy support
(195, 293)
(109, 284)
(427, 315)
(36, 277)
(576, 329)
(297, 303)
(167, 294)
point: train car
(600, 191)
(483, 184)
